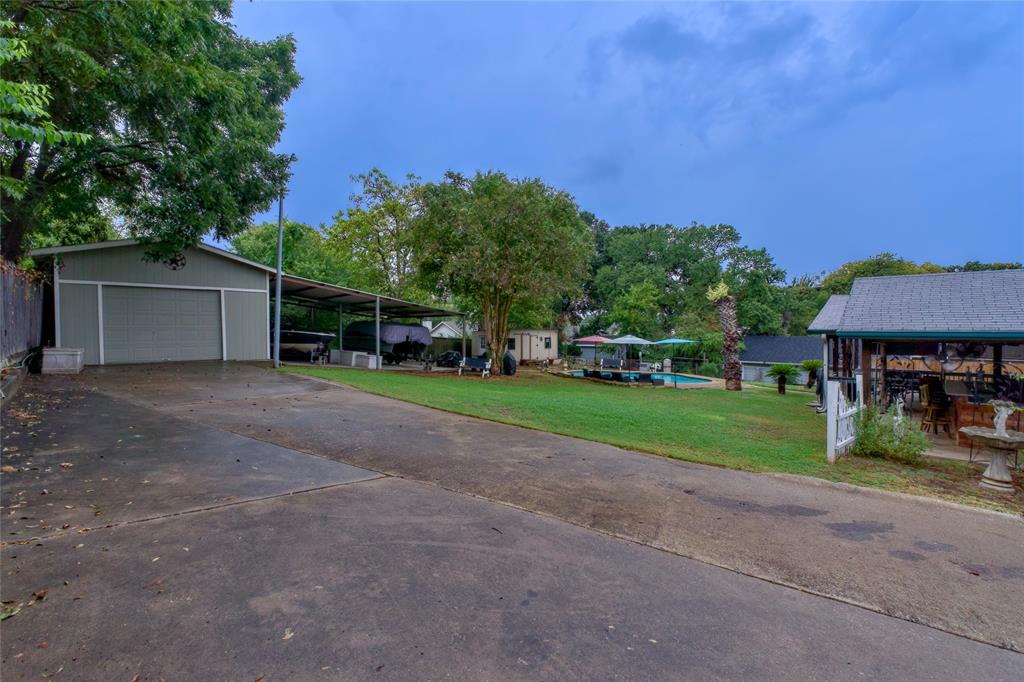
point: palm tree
(811, 367)
(732, 370)
(783, 374)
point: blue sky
(822, 131)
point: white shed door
(143, 324)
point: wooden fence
(22, 311)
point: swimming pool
(669, 379)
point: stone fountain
(999, 441)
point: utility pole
(277, 280)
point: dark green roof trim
(933, 335)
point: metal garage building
(205, 304)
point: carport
(349, 303)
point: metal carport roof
(330, 296)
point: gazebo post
(865, 369)
(883, 390)
(997, 363)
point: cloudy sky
(823, 131)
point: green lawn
(755, 430)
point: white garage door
(143, 324)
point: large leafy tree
(498, 242)
(376, 231)
(24, 113)
(181, 113)
(306, 252)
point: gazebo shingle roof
(969, 304)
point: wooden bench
(477, 364)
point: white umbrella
(630, 340)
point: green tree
(24, 116)
(500, 242)
(636, 311)
(376, 231)
(840, 280)
(975, 266)
(306, 252)
(181, 115)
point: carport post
(277, 281)
(341, 329)
(463, 336)
(376, 319)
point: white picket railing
(839, 413)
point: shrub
(710, 369)
(783, 374)
(881, 434)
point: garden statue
(1003, 409)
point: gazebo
(957, 338)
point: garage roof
(294, 287)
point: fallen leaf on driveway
(66, 465)
(8, 469)
(156, 582)
(156, 558)
(40, 595)
(44, 645)
(9, 611)
(288, 634)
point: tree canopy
(376, 232)
(497, 242)
(306, 252)
(177, 113)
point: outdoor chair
(478, 364)
(936, 410)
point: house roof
(788, 349)
(951, 305)
(450, 326)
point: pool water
(669, 379)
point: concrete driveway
(176, 522)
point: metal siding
(126, 264)
(156, 325)
(79, 321)
(245, 317)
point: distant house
(761, 352)
(526, 345)
(446, 330)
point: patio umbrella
(594, 341)
(630, 340)
(673, 342)
(591, 339)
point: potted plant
(783, 374)
(811, 367)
